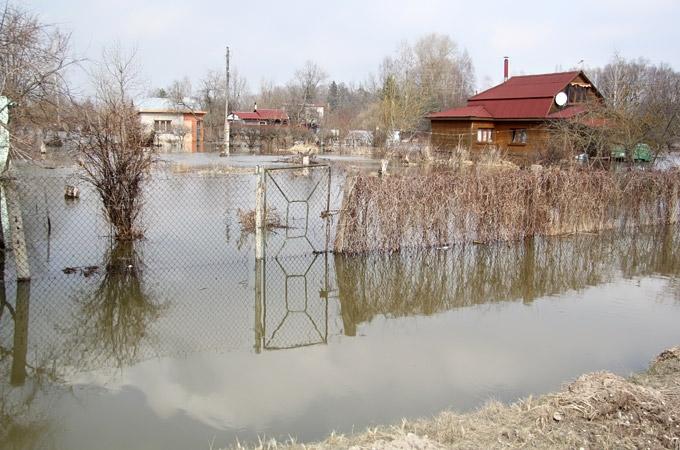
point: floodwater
(183, 339)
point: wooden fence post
(16, 226)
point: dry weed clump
(598, 410)
(247, 220)
(482, 205)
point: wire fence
(193, 284)
(97, 303)
(131, 310)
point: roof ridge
(544, 74)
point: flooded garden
(184, 339)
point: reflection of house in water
(177, 126)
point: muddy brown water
(177, 341)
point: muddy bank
(597, 410)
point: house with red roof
(260, 117)
(514, 116)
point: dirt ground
(596, 411)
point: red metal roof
(516, 108)
(465, 111)
(568, 113)
(262, 114)
(521, 97)
(528, 86)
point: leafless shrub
(115, 163)
(478, 205)
(111, 146)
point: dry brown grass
(596, 411)
(482, 205)
(247, 220)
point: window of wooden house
(485, 135)
(162, 126)
(519, 136)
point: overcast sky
(349, 38)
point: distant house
(260, 117)
(177, 126)
(513, 116)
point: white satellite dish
(561, 99)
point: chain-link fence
(189, 285)
(193, 282)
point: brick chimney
(505, 68)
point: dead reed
(482, 205)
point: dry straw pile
(483, 205)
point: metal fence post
(260, 211)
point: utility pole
(225, 150)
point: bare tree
(430, 75)
(34, 57)
(621, 81)
(304, 88)
(211, 98)
(642, 105)
(445, 74)
(117, 78)
(111, 145)
(179, 92)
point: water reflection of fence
(126, 314)
(294, 303)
